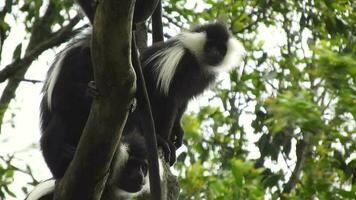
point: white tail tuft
(42, 189)
(166, 63)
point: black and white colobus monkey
(209, 48)
(175, 71)
(129, 173)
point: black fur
(131, 177)
(62, 125)
(125, 180)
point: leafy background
(281, 126)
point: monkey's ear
(143, 10)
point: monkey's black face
(215, 46)
(132, 177)
(214, 52)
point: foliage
(284, 126)
(6, 177)
(46, 24)
(7, 172)
(299, 93)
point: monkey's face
(133, 175)
(214, 52)
(215, 44)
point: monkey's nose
(213, 57)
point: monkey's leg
(56, 151)
(177, 130)
(177, 134)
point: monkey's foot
(177, 137)
(133, 105)
(169, 150)
(92, 90)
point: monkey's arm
(165, 116)
(177, 131)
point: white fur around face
(122, 194)
(233, 58)
(194, 42)
(167, 59)
(42, 189)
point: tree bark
(115, 79)
(157, 26)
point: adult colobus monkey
(175, 71)
(128, 177)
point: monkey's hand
(177, 135)
(168, 148)
(92, 91)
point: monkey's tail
(42, 190)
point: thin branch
(327, 104)
(166, 35)
(249, 26)
(29, 80)
(170, 20)
(301, 157)
(3, 12)
(29, 172)
(56, 39)
(157, 27)
(260, 15)
(149, 128)
(86, 176)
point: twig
(29, 80)
(301, 157)
(56, 39)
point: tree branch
(35, 47)
(34, 81)
(150, 131)
(301, 147)
(157, 26)
(3, 32)
(86, 176)
(56, 39)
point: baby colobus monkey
(129, 175)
